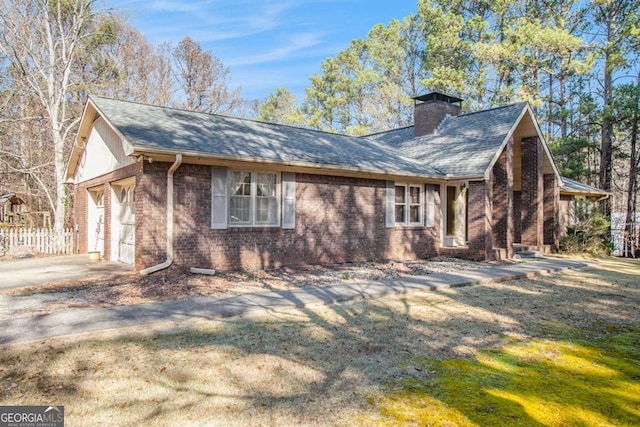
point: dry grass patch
(176, 283)
(495, 354)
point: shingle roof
(575, 187)
(10, 196)
(393, 137)
(149, 127)
(465, 145)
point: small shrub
(592, 235)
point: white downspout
(169, 260)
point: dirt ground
(175, 283)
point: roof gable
(466, 145)
(104, 152)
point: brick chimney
(429, 110)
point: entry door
(127, 239)
(455, 216)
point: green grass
(578, 370)
(589, 380)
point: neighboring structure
(11, 209)
(159, 185)
(625, 244)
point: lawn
(556, 350)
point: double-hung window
(408, 204)
(253, 198)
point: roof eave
(600, 195)
(76, 150)
(150, 151)
(476, 177)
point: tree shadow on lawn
(582, 369)
(446, 357)
(532, 383)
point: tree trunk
(607, 126)
(562, 103)
(630, 224)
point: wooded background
(575, 62)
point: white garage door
(95, 232)
(127, 232)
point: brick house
(155, 186)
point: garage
(123, 235)
(95, 220)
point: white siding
(104, 153)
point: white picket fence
(40, 240)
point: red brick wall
(428, 115)
(151, 217)
(337, 220)
(532, 192)
(551, 211)
(80, 203)
(517, 217)
(503, 208)
(480, 219)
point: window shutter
(219, 199)
(288, 200)
(431, 206)
(390, 205)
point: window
(266, 198)
(253, 198)
(240, 200)
(401, 203)
(245, 198)
(415, 204)
(408, 204)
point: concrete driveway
(40, 271)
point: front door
(455, 215)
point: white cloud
(214, 20)
(174, 6)
(295, 44)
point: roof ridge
(353, 139)
(241, 119)
(386, 131)
(492, 109)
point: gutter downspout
(169, 260)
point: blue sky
(265, 44)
